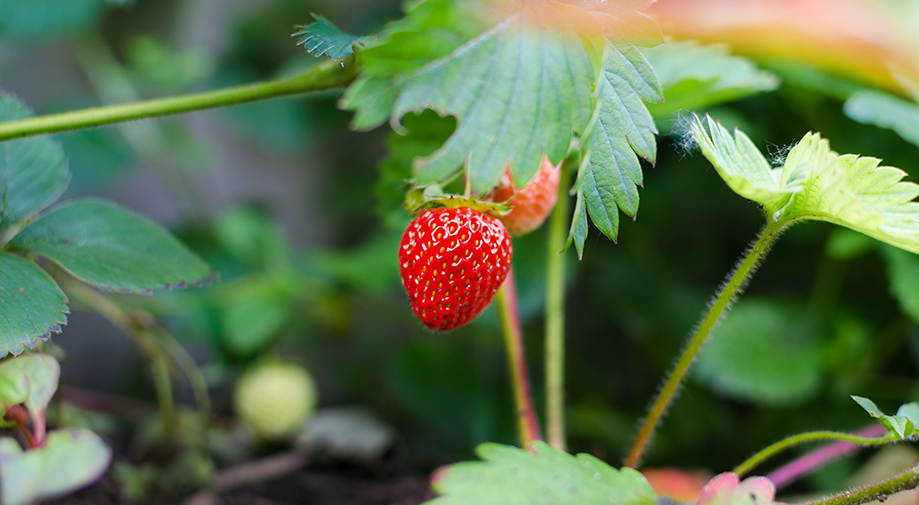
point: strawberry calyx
(420, 198)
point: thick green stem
(527, 424)
(802, 438)
(322, 76)
(737, 281)
(875, 492)
(555, 316)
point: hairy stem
(821, 457)
(875, 492)
(802, 438)
(555, 315)
(736, 282)
(527, 424)
(322, 76)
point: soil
(319, 486)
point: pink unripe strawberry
(531, 203)
(453, 260)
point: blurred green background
(290, 207)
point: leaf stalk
(734, 285)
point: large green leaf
(31, 380)
(46, 19)
(33, 171)
(31, 305)
(817, 183)
(112, 248)
(623, 130)
(519, 91)
(764, 352)
(886, 111)
(695, 76)
(68, 460)
(508, 475)
(322, 37)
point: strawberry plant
(516, 127)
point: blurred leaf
(696, 76)
(98, 158)
(113, 248)
(903, 273)
(70, 459)
(33, 171)
(253, 238)
(610, 173)
(542, 475)
(49, 19)
(371, 267)
(899, 424)
(764, 352)
(518, 92)
(31, 305)
(254, 310)
(31, 380)
(322, 37)
(845, 244)
(885, 111)
(817, 183)
(167, 70)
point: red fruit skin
(453, 261)
(532, 203)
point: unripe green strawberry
(453, 261)
(531, 203)
(275, 399)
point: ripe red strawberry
(453, 261)
(531, 203)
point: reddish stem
(527, 424)
(19, 415)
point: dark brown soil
(313, 487)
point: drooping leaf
(696, 76)
(763, 352)
(508, 475)
(70, 459)
(48, 19)
(886, 111)
(31, 305)
(33, 171)
(519, 90)
(113, 248)
(903, 272)
(610, 173)
(322, 37)
(901, 425)
(817, 183)
(31, 380)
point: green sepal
(431, 196)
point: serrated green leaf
(577, 234)
(508, 475)
(764, 352)
(323, 38)
(48, 19)
(696, 76)
(31, 380)
(903, 273)
(740, 163)
(817, 183)
(68, 460)
(902, 426)
(113, 248)
(886, 111)
(518, 92)
(31, 305)
(371, 98)
(623, 130)
(33, 171)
